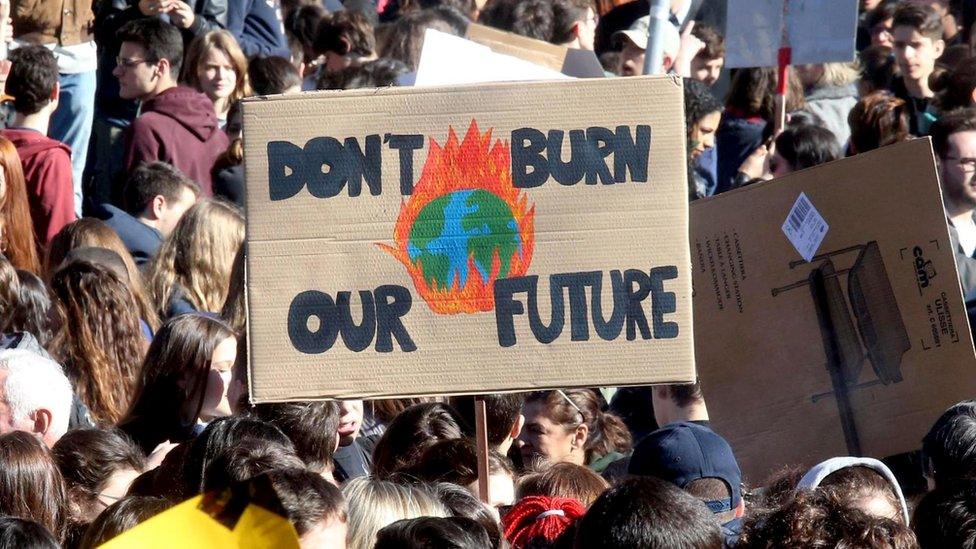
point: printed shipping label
(805, 227)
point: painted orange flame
(472, 164)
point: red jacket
(47, 171)
(179, 127)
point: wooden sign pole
(481, 436)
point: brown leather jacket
(64, 22)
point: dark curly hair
(699, 102)
(818, 519)
(100, 341)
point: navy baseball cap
(683, 452)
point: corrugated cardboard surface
(762, 357)
(330, 245)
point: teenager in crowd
(187, 380)
(176, 124)
(92, 233)
(191, 271)
(100, 342)
(570, 426)
(31, 487)
(918, 44)
(33, 82)
(216, 66)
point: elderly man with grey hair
(35, 395)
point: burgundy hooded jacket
(47, 174)
(178, 127)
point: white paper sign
(447, 59)
(805, 227)
(817, 31)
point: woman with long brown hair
(191, 271)
(216, 66)
(17, 239)
(31, 487)
(99, 341)
(90, 232)
(188, 379)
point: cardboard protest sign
(816, 31)
(569, 61)
(467, 239)
(855, 352)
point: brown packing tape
(803, 361)
(332, 245)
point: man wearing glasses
(954, 140)
(176, 125)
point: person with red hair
(535, 517)
(17, 240)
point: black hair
(923, 19)
(950, 444)
(648, 512)
(302, 24)
(456, 461)
(500, 14)
(533, 18)
(946, 516)
(88, 457)
(160, 39)
(221, 435)
(344, 33)
(250, 458)
(807, 145)
(407, 33)
(952, 122)
(502, 411)
(424, 532)
(411, 433)
(379, 73)
(121, 516)
(306, 497)
(312, 426)
(565, 16)
(152, 179)
(878, 68)
(18, 533)
(881, 13)
(33, 76)
(272, 75)
(699, 102)
(32, 313)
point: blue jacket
(258, 27)
(141, 240)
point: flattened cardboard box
(467, 239)
(857, 352)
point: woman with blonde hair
(374, 503)
(90, 232)
(831, 93)
(192, 270)
(17, 239)
(99, 340)
(216, 66)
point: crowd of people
(122, 313)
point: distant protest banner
(829, 319)
(467, 239)
(815, 31)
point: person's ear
(345, 46)
(667, 63)
(580, 436)
(939, 47)
(517, 427)
(163, 67)
(158, 205)
(740, 509)
(42, 421)
(56, 91)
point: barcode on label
(804, 227)
(800, 212)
